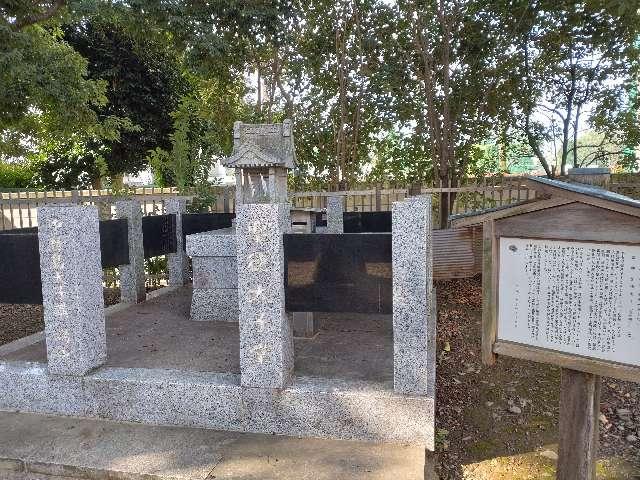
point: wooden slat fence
(465, 199)
(18, 209)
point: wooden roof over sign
(552, 193)
(262, 145)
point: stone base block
(219, 243)
(215, 273)
(215, 305)
(309, 407)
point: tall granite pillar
(335, 211)
(104, 209)
(178, 263)
(266, 339)
(413, 301)
(72, 298)
(132, 288)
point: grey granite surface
(216, 243)
(73, 302)
(335, 211)
(412, 295)
(177, 263)
(215, 305)
(132, 288)
(215, 272)
(215, 275)
(309, 407)
(266, 338)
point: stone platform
(164, 369)
(55, 448)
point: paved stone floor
(35, 447)
(159, 334)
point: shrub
(15, 175)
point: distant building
(221, 175)
(142, 179)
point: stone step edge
(56, 470)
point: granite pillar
(266, 339)
(104, 209)
(71, 271)
(335, 211)
(132, 280)
(177, 263)
(413, 307)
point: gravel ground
(18, 321)
(492, 422)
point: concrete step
(40, 447)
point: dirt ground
(495, 422)
(501, 422)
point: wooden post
(378, 198)
(225, 200)
(430, 462)
(489, 293)
(578, 436)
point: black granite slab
(20, 268)
(114, 242)
(367, 222)
(159, 235)
(204, 222)
(338, 273)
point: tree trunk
(445, 207)
(259, 104)
(575, 137)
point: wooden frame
(505, 223)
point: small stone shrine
(262, 155)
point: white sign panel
(574, 297)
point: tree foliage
(404, 91)
(144, 84)
(45, 89)
(578, 63)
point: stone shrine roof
(262, 145)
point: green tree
(15, 175)
(144, 85)
(52, 109)
(326, 71)
(45, 87)
(396, 158)
(454, 82)
(578, 62)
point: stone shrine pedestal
(215, 275)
